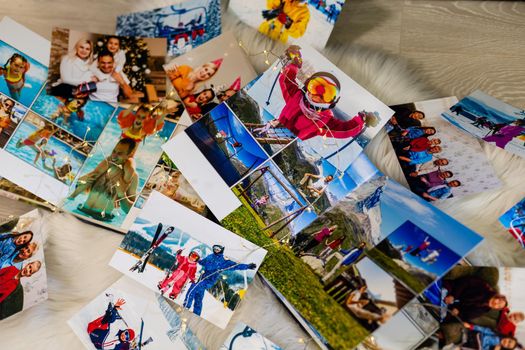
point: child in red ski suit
(186, 269)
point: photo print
(11, 113)
(514, 221)
(491, 120)
(210, 74)
(438, 160)
(105, 68)
(130, 316)
(309, 21)
(207, 274)
(185, 25)
(245, 337)
(23, 280)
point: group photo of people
(479, 308)
(21, 77)
(203, 79)
(23, 281)
(438, 161)
(106, 67)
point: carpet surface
(77, 254)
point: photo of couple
(106, 67)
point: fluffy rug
(77, 254)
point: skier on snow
(185, 270)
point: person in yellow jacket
(284, 18)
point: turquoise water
(96, 115)
(34, 79)
(146, 157)
(27, 154)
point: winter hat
(221, 247)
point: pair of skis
(140, 265)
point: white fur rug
(77, 254)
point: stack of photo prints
(165, 132)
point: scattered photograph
(480, 307)
(106, 68)
(244, 337)
(310, 21)
(48, 148)
(21, 77)
(11, 113)
(413, 256)
(226, 144)
(13, 191)
(210, 74)
(125, 154)
(207, 274)
(514, 221)
(185, 24)
(130, 316)
(491, 120)
(23, 281)
(82, 117)
(439, 161)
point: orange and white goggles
(324, 87)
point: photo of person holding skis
(212, 266)
(184, 269)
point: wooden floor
(458, 46)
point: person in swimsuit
(68, 107)
(14, 72)
(145, 121)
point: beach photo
(226, 144)
(82, 117)
(207, 274)
(438, 160)
(309, 21)
(185, 24)
(106, 68)
(48, 148)
(120, 164)
(210, 74)
(21, 77)
(491, 120)
(130, 316)
(11, 113)
(514, 221)
(413, 256)
(23, 279)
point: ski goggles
(194, 255)
(323, 87)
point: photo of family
(23, 281)
(491, 120)
(438, 160)
(82, 117)
(48, 148)
(413, 256)
(308, 95)
(11, 113)
(206, 274)
(309, 21)
(125, 154)
(106, 67)
(244, 337)
(514, 221)
(210, 74)
(21, 77)
(480, 308)
(130, 316)
(185, 24)
(226, 144)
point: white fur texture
(77, 254)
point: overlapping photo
(438, 160)
(106, 68)
(245, 337)
(514, 221)
(491, 120)
(23, 281)
(205, 273)
(309, 21)
(210, 74)
(11, 113)
(185, 24)
(129, 316)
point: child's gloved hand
(371, 119)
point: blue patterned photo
(186, 25)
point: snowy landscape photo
(189, 259)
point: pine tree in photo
(213, 20)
